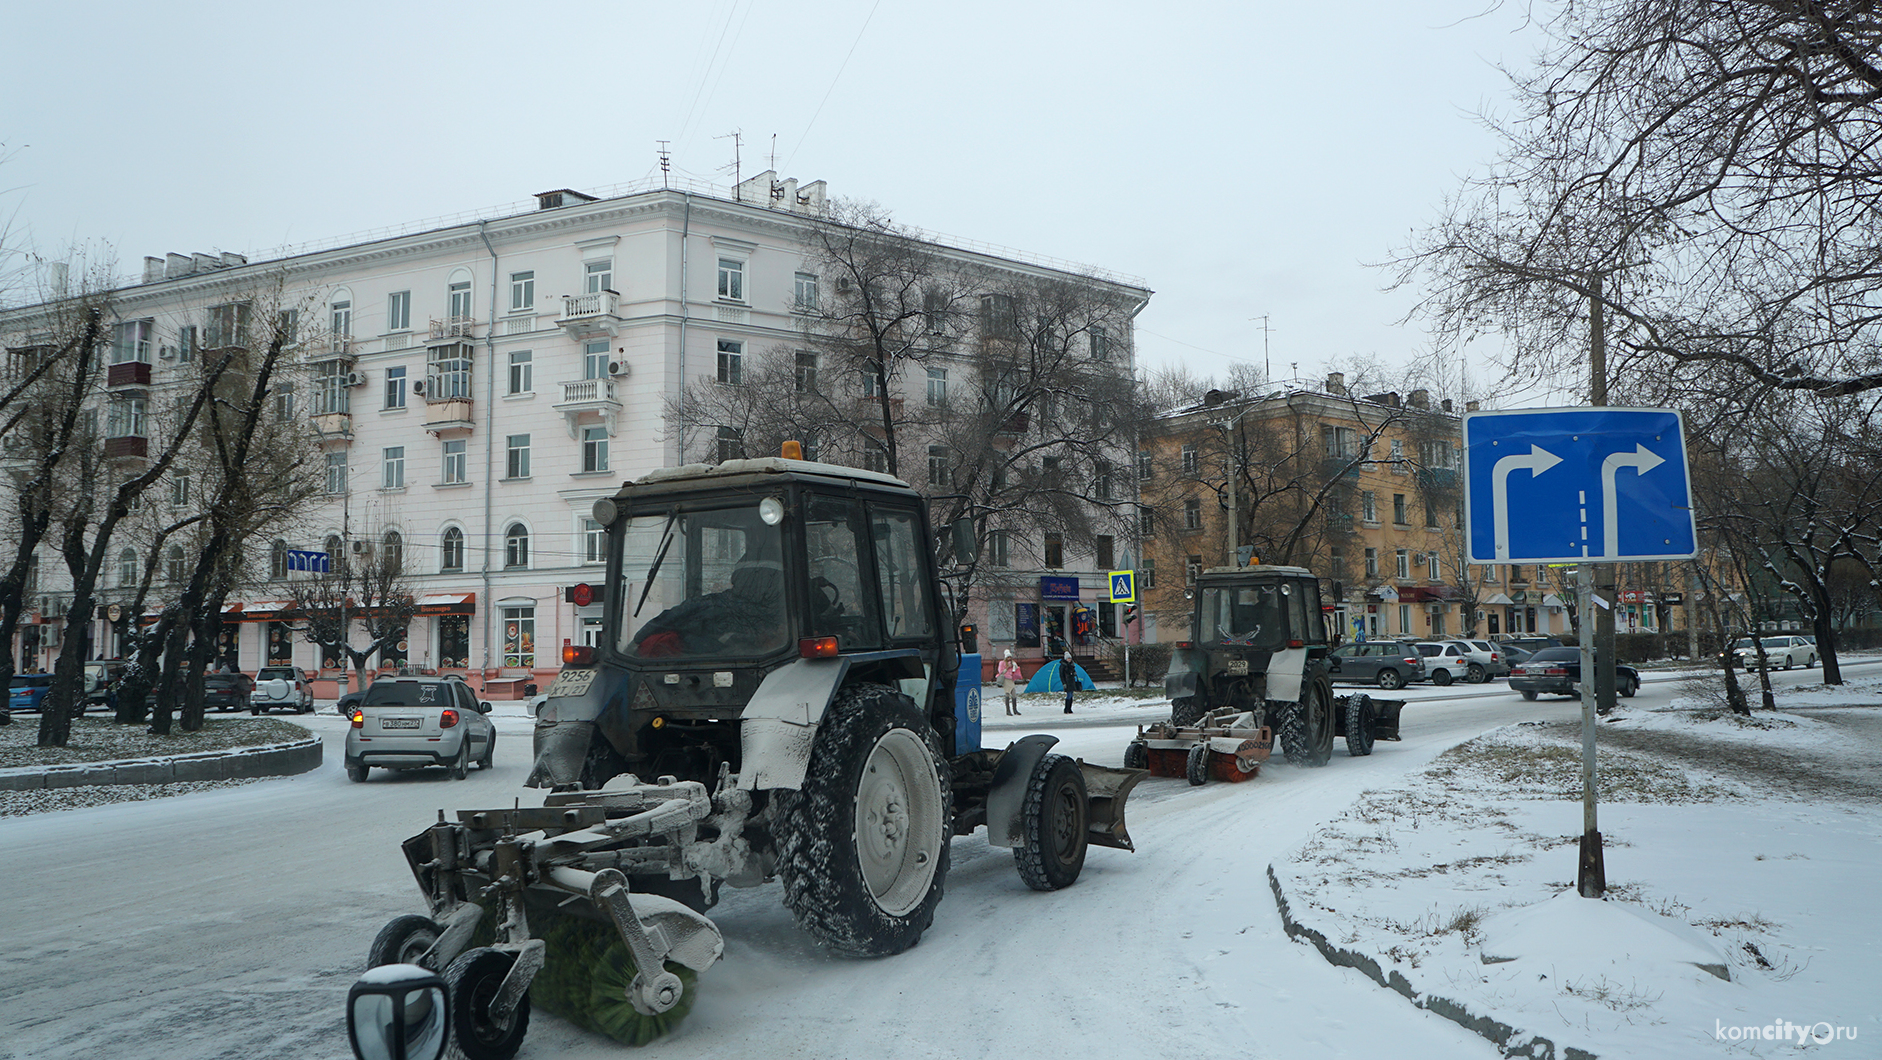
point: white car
(1781, 652)
(1487, 659)
(281, 686)
(1445, 661)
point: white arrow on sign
(1642, 460)
(1538, 461)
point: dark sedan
(227, 691)
(1557, 672)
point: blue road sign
(1562, 485)
(307, 560)
(1123, 586)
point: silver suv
(1391, 663)
(281, 686)
(413, 722)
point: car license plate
(398, 723)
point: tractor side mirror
(398, 1012)
(964, 543)
(970, 639)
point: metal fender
(780, 723)
(1285, 669)
(1179, 686)
(1007, 798)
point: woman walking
(1068, 676)
(1008, 673)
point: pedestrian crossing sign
(1123, 586)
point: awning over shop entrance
(448, 604)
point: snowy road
(230, 923)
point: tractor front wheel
(863, 844)
(472, 982)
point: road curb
(242, 763)
(1510, 1041)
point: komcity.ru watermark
(1785, 1031)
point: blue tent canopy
(1047, 679)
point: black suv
(1391, 663)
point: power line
(826, 92)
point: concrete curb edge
(1507, 1039)
(242, 763)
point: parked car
(29, 691)
(1781, 653)
(1487, 659)
(1391, 663)
(414, 722)
(350, 701)
(101, 684)
(1530, 642)
(227, 691)
(1444, 661)
(282, 686)
(1557, 672)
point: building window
(180, 490)
(393, 461)
(516, 461)
(1372, 563)
(940, 473)
(998, 318)
(1054, 551)
(460, 301)
(594, 449)
(450, 373)
(340, 316)
(1404, 618)
(1192, 566)
(454, 469)
(806, 372)
(1431, 566)
(127, 419)
(1190, 463)
(869, 383)
(595, 359)
(1431, 515)
(1398, 509)
(731, 362)
(1518, 573)
(228, 325)
(519, 638)
(392, 550)
(1106, 551)
(1101, 483)
(731, 444)
(1341, 443)
(1368, 506)
(875, 456)
(1404, 564)
(805, 297)
(336, 472)
(330, 392)
(594, 542)
(937, 386)
(1146, 575)
(599, 276)
(516, 546)
(522, 371)
(127, 567)
(278, 559)
(132, 342)
(284, 402)
(732, 279)
(451, 550)
(186, 344)
(1143, 465)
(1437, 454)
(1146, 520)
(522, 291)
(1398, 457)
(997, 548)
(1100, 343)
(1336, 564)
(173, 567)
(1049, 469)
(1192, 514)
(395, 387)
(399, 311)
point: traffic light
(970, 638)
(1130, 613)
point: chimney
(811, 197)
(153, 269)
(205, 262)
(1445, 404)
(177, 265)
(1389, 399)
(1470, 406)
(550, 200)
(1336, 383)
(230, 259)
(1420, 399)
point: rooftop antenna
(1266, 371)
(774, 151)
(738, 170)
(666, 161)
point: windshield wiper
(666, 541)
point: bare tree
(1706, 171)
(374, 593)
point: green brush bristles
(584, 980)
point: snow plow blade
(1105, 792)
(1385, 724)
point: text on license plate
(398, 723)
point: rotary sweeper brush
(778, 651)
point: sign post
(1585, 486)
(1124, 591)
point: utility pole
(1267, 373)
(1597, 643)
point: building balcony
(447, 414)
(587, 315)
(592, 398)
(129, 446)
(1339, 466)
(1437, 478)
(1015, 424)
(130, 373)
(451, 329)
(334, 426)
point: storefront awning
(448, 604)
(1499, 600)
(263, 611)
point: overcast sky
(1242, 159)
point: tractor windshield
(1247, 615)
(702, 584)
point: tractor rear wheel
(1136, 756)
(1196, 766)
(863, 844)
(471, 982)
(1361, 716)
(1187, 710)
(1307, 727)
(1052, 825)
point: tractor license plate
(398, 723)
(1238, 667)
(572, 683)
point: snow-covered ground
(230, 923)
(1746, 848)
